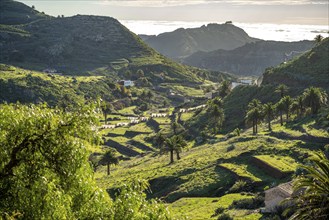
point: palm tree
(218, 116)
(280, 108)
(314, 98)
(109, 158)
(286, 102)
(159, 140)
(282, 89)
(254, 114)
(312, 190)
(269, 113)
(298, 105)
(106, 109)
(318, 39)
(174, 144)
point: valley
(97, 122)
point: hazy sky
(253, 11)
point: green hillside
(312, 68)
(87, 45)
(210, 173)
(13, 12)
(250, 59)
(309, 69)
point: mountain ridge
(249, 59)
(184, 42)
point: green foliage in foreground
(313, 203)
(45, 173)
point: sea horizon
(264, 31)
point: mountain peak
(184, 42)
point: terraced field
(207, 172)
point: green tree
(254, 114)
(108, 159)
(318, 39)
(314, 98)
(132, 203)
(286, 102)
(107, 109)
(280, 109)
(44, 169)
(224, 88)
(282, 90)
(140, 73)
(269, 113)
(298, 106)
(149, 95)
(312, 190)
(174, 144)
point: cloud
(163, 3)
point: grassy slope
(309, 69)
(26, 86)
(199, 172)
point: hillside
(312, 68)
(250, 59)
(87, 45)
(13, 12)
(184, 42)
(206, 177)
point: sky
(307, 12)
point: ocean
(277, 32)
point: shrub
(218, 211)
(250, 203)
(238, 186)
(225, 216)
(230, 148)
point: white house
(127, 83)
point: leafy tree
(109, 158)
(174, 144)
(269, 114)
(140, 73)
(159, 139)
(44, 169)
(312, 190)
(314, 98)
(127, 74)
(254, 114)
(224, 88)
(149, 95)
(318, 39)
(132, 203)
(282, 90)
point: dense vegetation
(44, 169)
(94, 149)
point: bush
(225, 216)
(230, 148)
(238, 186)
(251, 203)
(218, 211)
